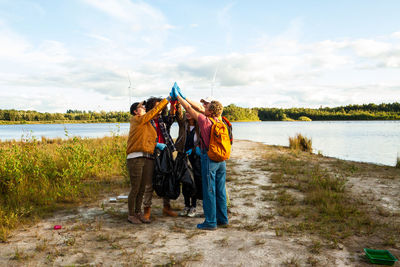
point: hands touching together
(175, 91)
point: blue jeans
(214, 194)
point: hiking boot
(146, 214)
(167, 211)
(184, 212)
(134, 220)
(142, 218)
(192, 212)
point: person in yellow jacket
(140, 161)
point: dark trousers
(195, 161)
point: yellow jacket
(142, 135)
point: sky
(98, 55)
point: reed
(300, 142)
(36, 175)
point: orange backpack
(220, 143)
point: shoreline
(89, 122)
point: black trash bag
(165, 182)
(184, 172)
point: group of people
(150, 129)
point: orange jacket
(142, 135)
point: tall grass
(398, 162)
(36, 175)
(300, 142)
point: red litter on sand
(57, 227)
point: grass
(326, 207)
(41, 245)
(398, 162)
(300, 142)
(39, 176)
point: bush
(304, 118)
(300, 142)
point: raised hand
(174, 93)
(180, 92)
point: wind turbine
(213, 81)
(129, 89)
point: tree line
(232, 112)
(71, 115)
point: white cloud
(395, 35)
(52, 75)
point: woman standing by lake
(140, 161)
(188, 142)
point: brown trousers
(148, 196)
(141, 174)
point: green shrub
(300, 142)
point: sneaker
(184, 212)
(192, 212)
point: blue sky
(77, 54)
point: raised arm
(188, 108)
(154, 112)
(197, 106)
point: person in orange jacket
(140, 161)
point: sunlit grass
(37, 176)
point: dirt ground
(98, 234)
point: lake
(365, 141)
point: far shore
(87, 122)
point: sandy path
(99, 235)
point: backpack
(229, 126)
(220, 142)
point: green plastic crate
(377, 256)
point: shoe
(192, 212)
(134, 220)
(167, 211)
(141, 217)
(146, 213)
(184, 212)
(203, 226)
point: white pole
(129, 90)
(213, 81)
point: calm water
(367, 141)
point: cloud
(125, 37)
